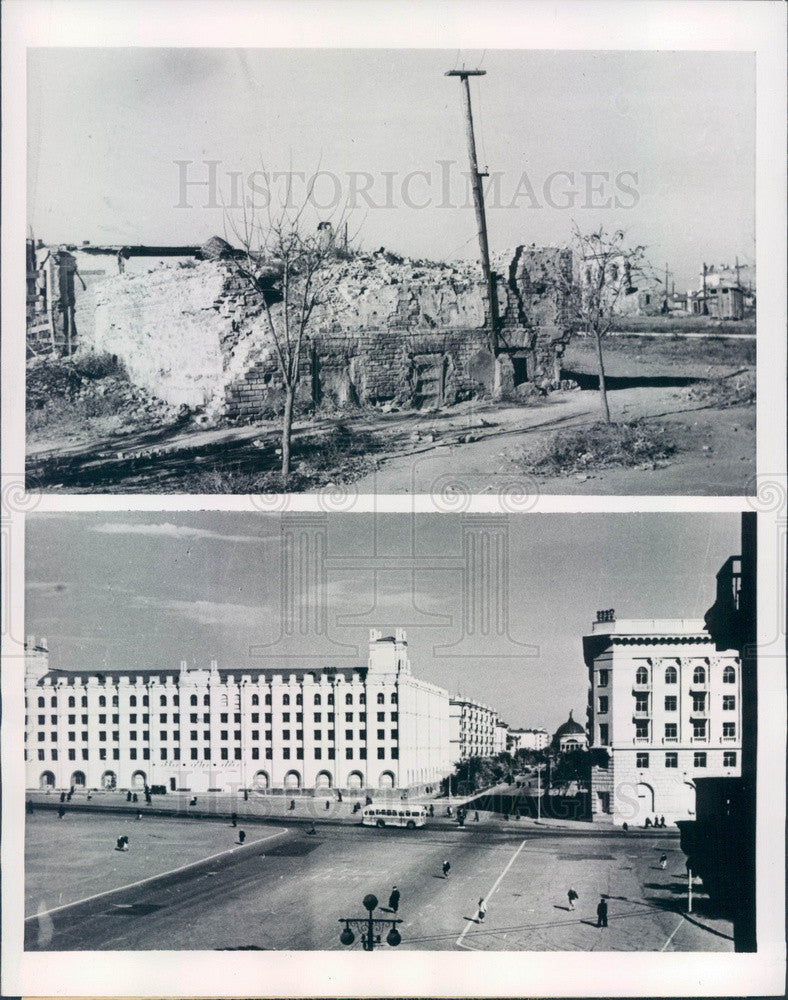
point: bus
(408, 816)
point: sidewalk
(261, 808)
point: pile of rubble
(97, 384)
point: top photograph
(427, 272)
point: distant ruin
(393, 331)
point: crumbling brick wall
(392, 330)
(533, 308)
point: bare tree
(288, 269)
(605, 271)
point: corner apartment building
(216, 729)
(666, 705)
(472, 729)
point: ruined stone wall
(391, 330)
(168, 326)
(404, 367)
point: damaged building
(392, 330)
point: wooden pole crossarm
(465, 72)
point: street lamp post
(370, 927)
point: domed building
(570, 736)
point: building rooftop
(649, 626)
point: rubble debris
(392, 332)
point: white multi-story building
(225, 729)
(666, 705)
(527, 739)
(472, 728)
(500, 737)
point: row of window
(700, 729)
(699, 759)
(174, 753)
(671, 703)
(224, 734)
(223, 717)
(671, 730)
(699, 675)
(223, 700)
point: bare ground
(681, 386)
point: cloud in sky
(225, 615)
(176, 531)
(46, 586)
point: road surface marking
(497, 882)
(664, 946)
(151, 878)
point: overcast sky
(674, 132)
(148, 590)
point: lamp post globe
(394, 937)
(370, 902)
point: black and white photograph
(393, 499)
(244, 731)
(529, 265)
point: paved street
(288, 892)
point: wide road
(288, 893)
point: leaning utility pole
(478, 203)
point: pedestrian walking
(234, 819)
(61, 812)
(601, 913)
(394, 899)
(476, 817)
(292, 804)
(128, 796)
(62, 796)
(241, 836)
(572, 896)
(311, 832)
(662, 822)
(446, 869)
(328, 804)
(663, 861)
(432, 810)
(449, 811)
(139, 814)
(122, 843)
(481, 911)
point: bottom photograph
(340, 731)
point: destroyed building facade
(391, 331)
